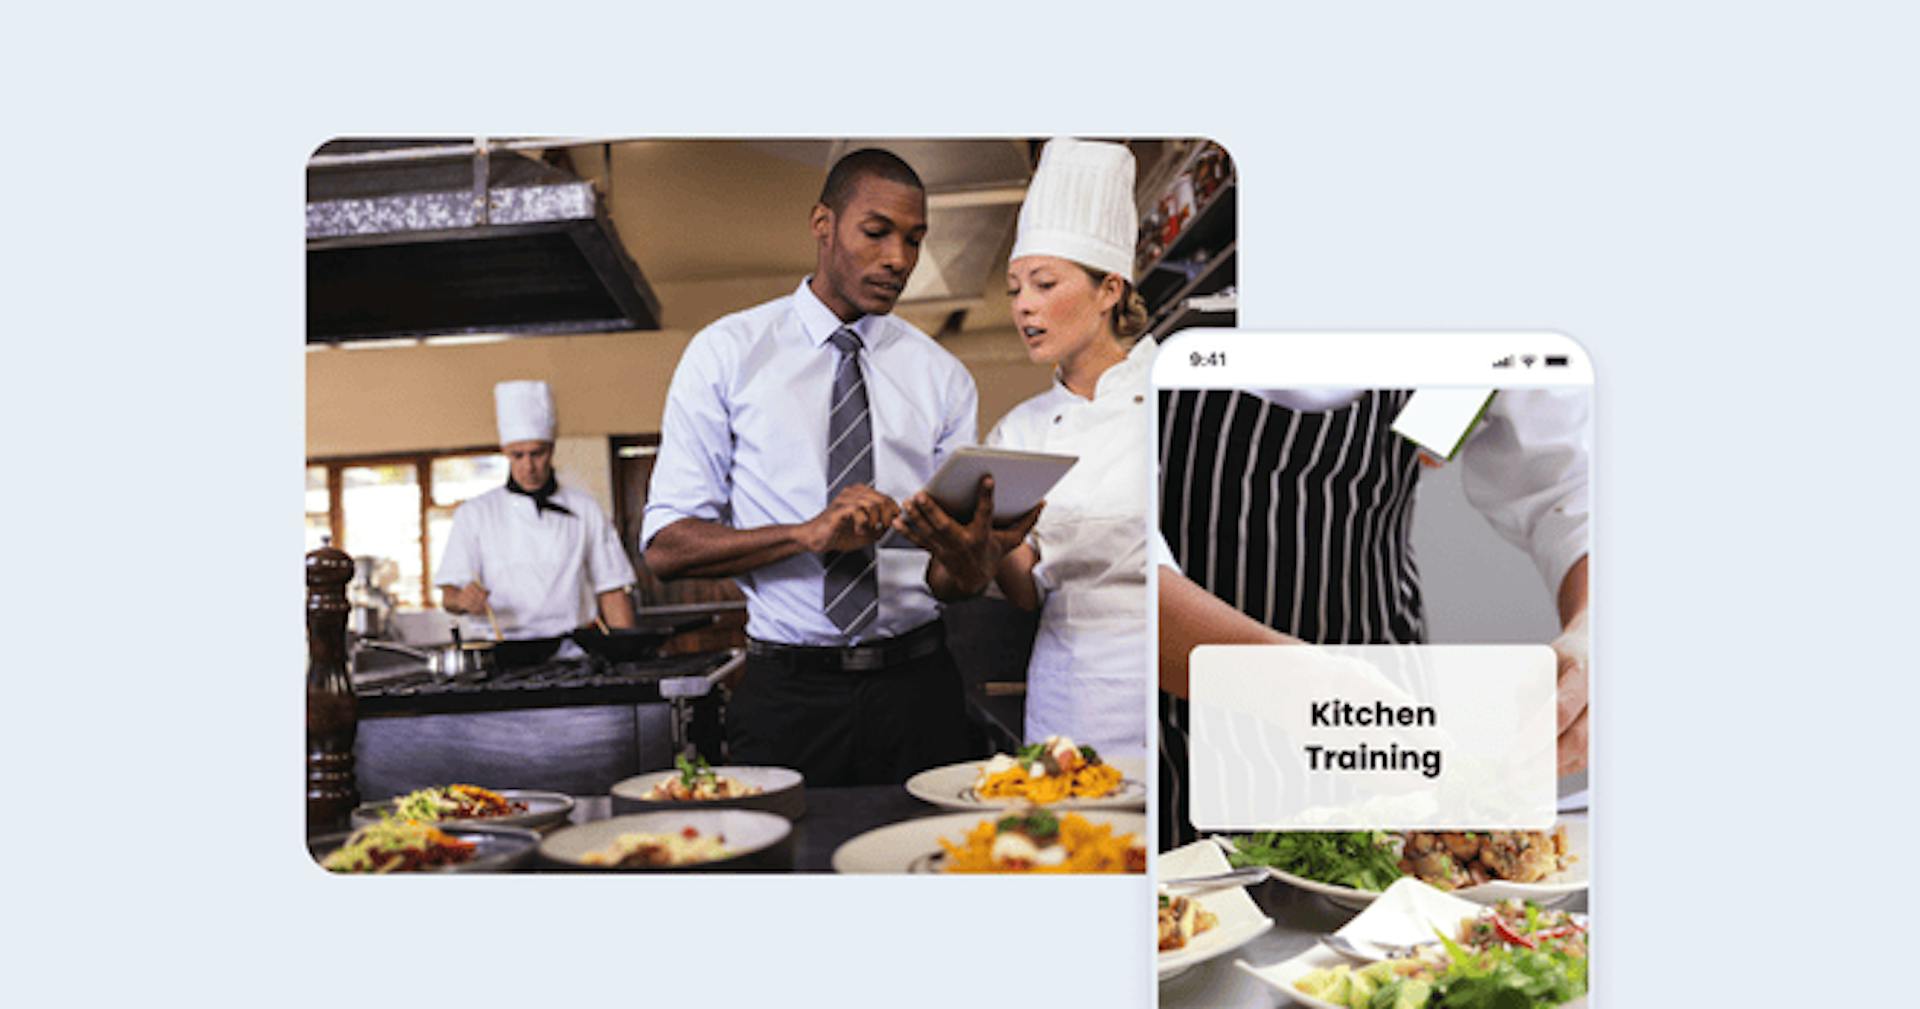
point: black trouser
(798, 708)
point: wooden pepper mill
(331, 717)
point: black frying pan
(642, 641)
(524, 653)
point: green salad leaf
(1508, 977)
(1362, 859)
(691, 771)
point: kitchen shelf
(1193, 319)
(1213, 225)
(1217, 274)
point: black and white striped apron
(1300, 520)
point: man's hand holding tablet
(967, 536)
(964, 556)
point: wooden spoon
(491, 620)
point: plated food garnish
(1048, 771)
(1361, 859)
(1180, 919)
(698, 782)
(1511, 954)
(1041, 841)
(398, 846)
(1452, 859)
(684, 847)
(1372, 860)
(454, 802)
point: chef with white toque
(542, 556)
(1084, 566)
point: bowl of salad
(1510, 955)
(1352, 868)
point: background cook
(544, 556)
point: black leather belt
(872, 657)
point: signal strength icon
(1505, 362)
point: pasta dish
(1040, 841)
(686, 847)
(1047, 772)
(698, 782)
(454, 802)
(397, 846)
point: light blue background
(1717, 200)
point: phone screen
(1372, 576)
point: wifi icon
(1528, 359)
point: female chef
(1084, 565)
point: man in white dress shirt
(541, 556)
(792, 430)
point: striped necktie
(852, 587)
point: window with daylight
(398, 509)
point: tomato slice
(1506, 932)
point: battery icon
(1556, 360)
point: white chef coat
(1525, 467)
(1161, 553)
(1088, 675)
(744, 443)
(542, 571)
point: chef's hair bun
(1130, 315)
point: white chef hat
(1080, 206)
(524, 411)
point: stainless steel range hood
(428, 238)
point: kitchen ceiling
(708, 227)
(717, 225)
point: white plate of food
(678, 840)
(1052, 773)
(1409, 913)
(694, 785)
(407, 846)
(1037, 841)
(1337, 866)
(1197, 925)
(470, 804)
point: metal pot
(367, 622)
(372, 606)
(457, 660)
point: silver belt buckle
(863, 658)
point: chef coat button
(1139, 399)
(1056, 418)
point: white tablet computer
(1020, 481)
